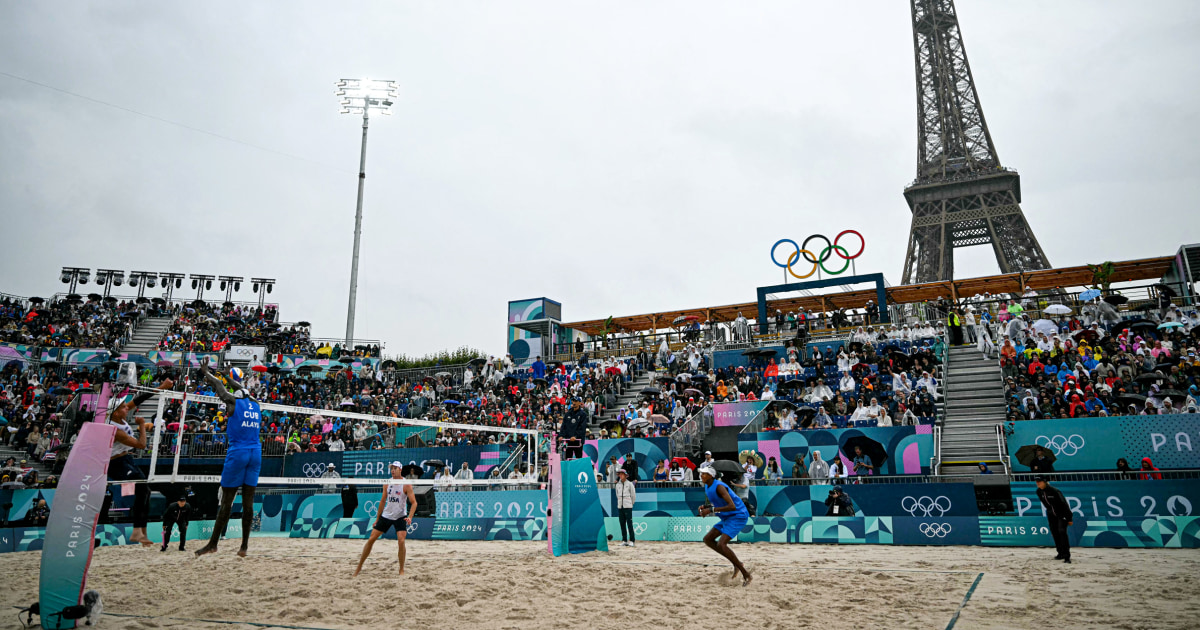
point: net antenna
(530, 437)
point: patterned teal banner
(1170, 441)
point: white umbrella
(1057, 309)
(1045, 327)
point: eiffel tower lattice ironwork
(962, 196)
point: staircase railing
(935, 466)
(756, 423)
(689, 437)
(1002, 447)
(514, 456)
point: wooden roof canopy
(1126, 271)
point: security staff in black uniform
(573, 429)
(1058, 512)
(178, 513)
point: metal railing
(689, 437)
(809, 481)
(1001, 447)
(757, 422)
(936, 465)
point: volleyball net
(526, 445)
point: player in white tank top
(396, 507)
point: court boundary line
(222, 621)
(966, 598)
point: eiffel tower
(962, 196)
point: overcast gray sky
(620, 157)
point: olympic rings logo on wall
(818, 260)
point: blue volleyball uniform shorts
(732, 525)
(241, 468)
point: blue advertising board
(497, 504)
(1097, 443)
(1115, 499)
(913, 500)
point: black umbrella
(36, 300)
(158, 300)
(435, 463)
(346, 359)
(1175, 395)
(539, 381)
(792, 384)
(1132, 399)
(782, 403)
(74, 298)
(130, 314)
(1149, 377)
(198, 304)
(666, 379)
(110, 365)
(412, 469)
(1116, 299)
(142, 300)
(50, 364)
(855, 346)
(699, 377)
(110, 299)
(389, 365)
(1086, 334)
(94, 297)
(870, 448)
(305, 369)
(477, 361)
(273, 369)
(1026, 453)
(650, 391)
(729, 470)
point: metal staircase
(147, 335)
(974, 407)
(632, 393)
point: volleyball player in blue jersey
(733, 514)
(243, 459)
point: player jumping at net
(243, 459)
(398, 504)
(733, 514)
(120, 463)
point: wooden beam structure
(1015, 283)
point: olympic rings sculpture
(818, 260)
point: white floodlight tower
(362, 96)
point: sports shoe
(624, 543)
(164, 548)
(1059, 557)
(632, 545)
(1066, 561)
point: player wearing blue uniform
(733, 514)
(243, 459)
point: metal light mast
(362, 96)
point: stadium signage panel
(1096, 443)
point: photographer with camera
(838, 503)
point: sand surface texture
(498, 585)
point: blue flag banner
(67, 548)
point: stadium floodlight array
(529, 436)
(75, 276)
(109, 278)
(229, 284)
(361, 96)
(262, 286)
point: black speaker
(426, 501)
(993, 494)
